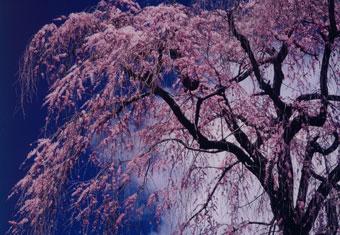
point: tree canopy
(226, 117)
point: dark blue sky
(19, 20)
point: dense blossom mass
(227, 118)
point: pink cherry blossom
(229, 116)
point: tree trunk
(290, 228)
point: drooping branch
(109, 115)
(211, 194)
(184, 145)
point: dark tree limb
(256, 167)
(306, 172)
(201, 100)
(332, 217)
(305, 176)
(279, 104)
(278, 73)
(323, 179)
(317, 96)
(331, 205)
(295, 126)
(286, 185)
(199, 137)
(326, 151)
(333, 31)
(240, 136)
(264, 174)
(319, 197)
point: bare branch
(185, 146)
(211, 194)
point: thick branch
(286, 183)
(240, 136)
(319, 197)
(330, 149)
(295, 126)
(264, 174)
(197, 135)
(305, 176)
(331, 14)
(180, 115)
(257, 168)
(312, 148)
(323, 179)
(278, 74)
